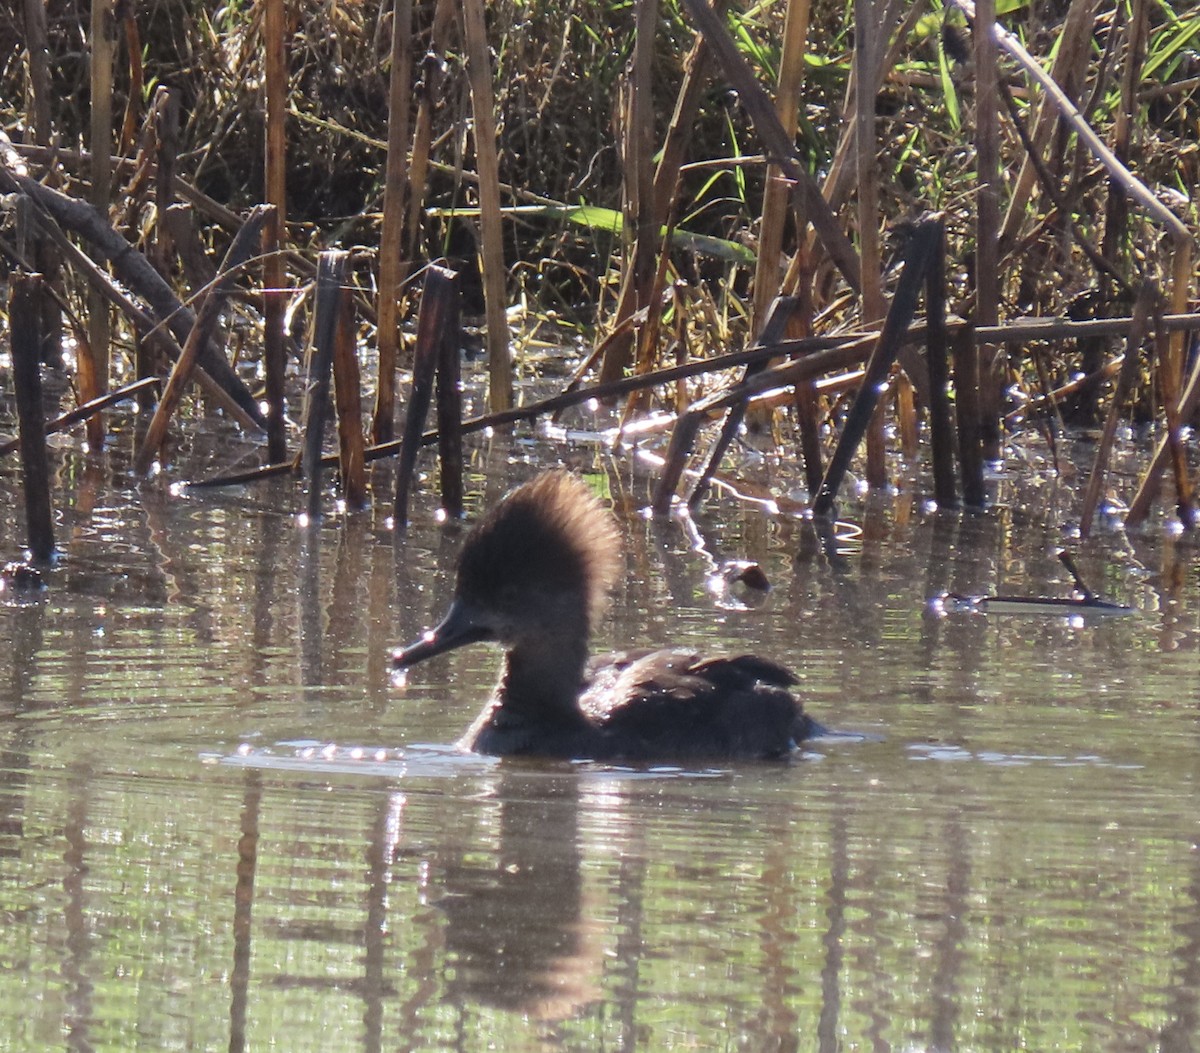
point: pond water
(223, 827)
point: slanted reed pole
(992, 358)
(392, 266)
(206, 320)
(24, 317)
(483, 106)
(103, 42)
(922, 245)
(275, 163)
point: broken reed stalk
(919, 253)
(31, 415)
(37, 47)
(347, 397)
(392, 269)
(643, 222)
(992, 358)
(1147, 296)
(130, 267)
(615, 349)
(1168, 384)
(449, 404)
(866, 30)
(274, 26)
(773, 331)
(428, 93)
(776, 142)
(941, 424)
(1070, 70)
(88, 410)
(966, 416)
(166, 128)
(1139, 507)
(331, 276)
(1177, 231)
(483, 107)
(439, 306)
(206, 320)
(103, 42)
(769, 271)
(146, 327)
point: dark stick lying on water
(1083, 600)
(87, 409)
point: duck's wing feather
(678, 704)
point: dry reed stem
(779, 147)
(768, 273)
(483, 107)
(1070, 66)
(992, 360)
(347, 394)
(439, 311)
(327, 302)
(103, 40)
(274, 277)
(866, 45)
(618, 343)
(392, 266)
(206, 319)
(27, 393)
(1143, 307)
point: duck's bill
(457, 629)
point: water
(221, 826)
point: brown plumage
(534, 576)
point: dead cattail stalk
(449, 405)
(392, 268)
(1169, 384)
(768, 273)
(992, 358)
(439, 309)
(331, 276)
(1142, 308)
(919, 253)
(866, 45)
(773, 331)
(616, 347)
(38, 47)
(103, 34)
(206, 319)
(966, 414)
(775, 140)
(941, 427)
(275, 162)
(24, 317)
(483, 106)
(347, 393)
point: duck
(534, 576)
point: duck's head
(535, 571)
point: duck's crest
(552, 534)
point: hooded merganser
(533, 576)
